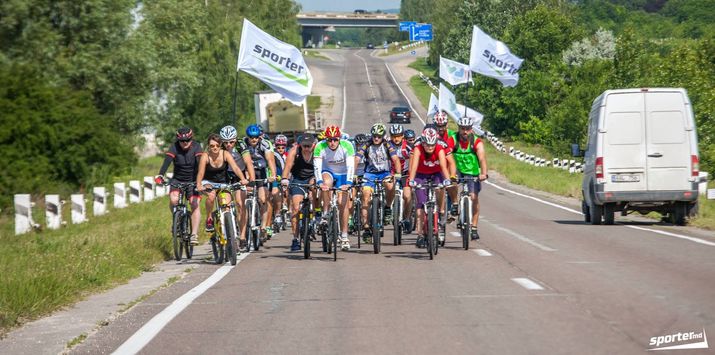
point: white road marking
(403, 94)
(521, 237)
(482, 252)
(366, 70)
(680, 236)
(527, 283)
(145, 334)
(345, 107)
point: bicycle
(357, 209)
(397, 214)
(253, 211)
(283, 214)
(431, 217)
(305, 224)
(181, 221)
(464, 222)
(377, 212)
(224, 241)
(332, 230)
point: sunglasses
(184, 140)
(465, 127)
(376, 136)
(253, 137)
(430, 146)
(441, 125)
(333, 139)
(280, 147)
(214, 145)
(306, 146)
(230, 142)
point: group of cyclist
(333, 162)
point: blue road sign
(421, 32)
(405, 25)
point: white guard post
(79, 212)
(53, 211)
(148, 188)
(703, 185)
(120, 195)
(99, 204)
(135, 191)
(23, 214)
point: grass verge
(315, 54)
(395, 49)
(314, 103)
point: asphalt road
(540, 281)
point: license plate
(625, 178)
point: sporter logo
(266, 55)
(498, 65)
(456, 72)
(696, 341)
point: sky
(348, 5)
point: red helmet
(332, 131)
(430, 136)
(184, 134)
(440, 118)
(281, 140)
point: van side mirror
(576, 151)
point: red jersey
(429, 163)
(448, 138)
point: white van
(642, 155)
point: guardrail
(137, 192)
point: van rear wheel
(596, 213)
(609, 211)
(586, 212)
(680, 211)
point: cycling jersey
(340, 161)
(378, 157)
(465, 155)
(302, 169)
(216, 175)
(429, 163)
(186, 162)
(257, 152)
(403, 153)
(448, 138)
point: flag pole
(466, 94)
(235, 94)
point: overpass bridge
(314, 25)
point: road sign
(421, 32)
(405, 25)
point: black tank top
(217, 175)
(302, 170)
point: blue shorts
(473, 186)
(338, 179)
(370, 177)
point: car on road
(370, 46)
(400, 114)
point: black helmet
(409, 134)
(184, 134)
(361, 139)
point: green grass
(419, 86)
(313, 103)
(314, 54)
(394, 49)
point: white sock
(344, 236)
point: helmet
(228, 133)
(332, 131)
(430, 136)
(409, 134)
(281, 140)
(345, 136)
(184, 134)
(253, 131)
(378, 129)
(465, 122)
(361, 139)
(440, 118)
(321, 135)
(396, 129)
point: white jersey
(340, 161)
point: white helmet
(228, 133)
(440, 118)
(430, 136)
(465, 122)
(344, 136)
(396, 129)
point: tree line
(81, 80)
(575, 50)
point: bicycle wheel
(396, 221)
(304, 231)
(429, 232)
(335, 232)
(231, 244)
(176, 234)
(437, 230)
(465, 223)
(376, 222)
(186, 232)
(357, 220)
(254, 233)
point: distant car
(360, 12)
(370, 46)
(400, 114)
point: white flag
(433, 105)
(492, 58)
(454, 73)
(448, 102)
(471, 113)
(274, 62)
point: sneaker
(420, 243)
(278, 220)
(387, 218)
(475, 234)
(241, 243)
(440, 236)
(210, 225)
(194, 240)
(295, 246)
(269, 232)
(345, 244)
(454, 211)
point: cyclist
(427, 162)
(359, 140)
(185, 154)
(471, 162)
(279, 153)
(245, 164)
(410, 138)
(261, 153)
(446, 136)
(299, 169)
(380, 159)
(213, 172)
(334, 161)
(403, 150)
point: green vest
(466, 159)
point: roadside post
(99, 201)
(120, 195)
(79, 213)
(148, 188)
(53, 211)
(135, 191)
(23, 214)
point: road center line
(403, 94)
(145, 334)
(482, 252)
(527, 283)
(366, 70)
(521, 237)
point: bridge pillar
(313, 36)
